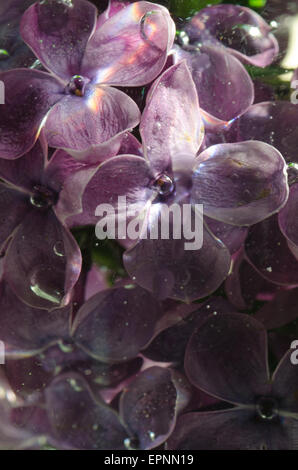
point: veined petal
(171, 125)
(29, 95)
(58, 32)
(240, 184)
(224, 87)
(80, 125)
(131, 47)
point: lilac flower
(227, 358)
(42, 259)
(98, 340)
(76, 103)
(214, 43)
(147, 412)
(272, 246)
(238, 184)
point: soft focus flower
(238, 184)
(75, 103)
(42, 259)
(213, 43)
(227, 358)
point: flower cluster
(142, 342)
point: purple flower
(272, 245)
(238, 184)
(214, 43)
(42, 259)
(147, 412)
(76, 103)
(227, 358)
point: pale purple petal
(107, 322)
(26, 330)
(79, 420)
(268, 252)
(131, 47)
(81, 124)
(58, 32)
(245, 34)
(29, 94)
(149, 405)
(27, 171)
(127, 176)
(227, 357)
(43, 261)
(240, 184)
(275, 123)
(232, 236)
(171, 126)
(166, 268)
(224, 87)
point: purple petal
(80, 421)
(285, 383)
(24, 329)
(287, 217)
(150, 404)
(240, 184)
(245, 34)
(13, 207)
(268, 252)
(24, 173)
(171, 126)
(43, 261)
(127, 176)
(233, 237)
(227, 357)
(234, 429)
(131, 47)
(280, 311)
(58, 32)
(275, 123)
(164, 267)
(170, 344)
(105, 325)
(29, 94)
(245, 285)
(81, 124)
(224, 87)
(69, 178)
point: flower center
(164, 185)
(267, 408)
(42, 197)
(4, 54)
(77, 85)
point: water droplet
(164, 185)
(59, 249)
(131, 443)
(41, 286)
